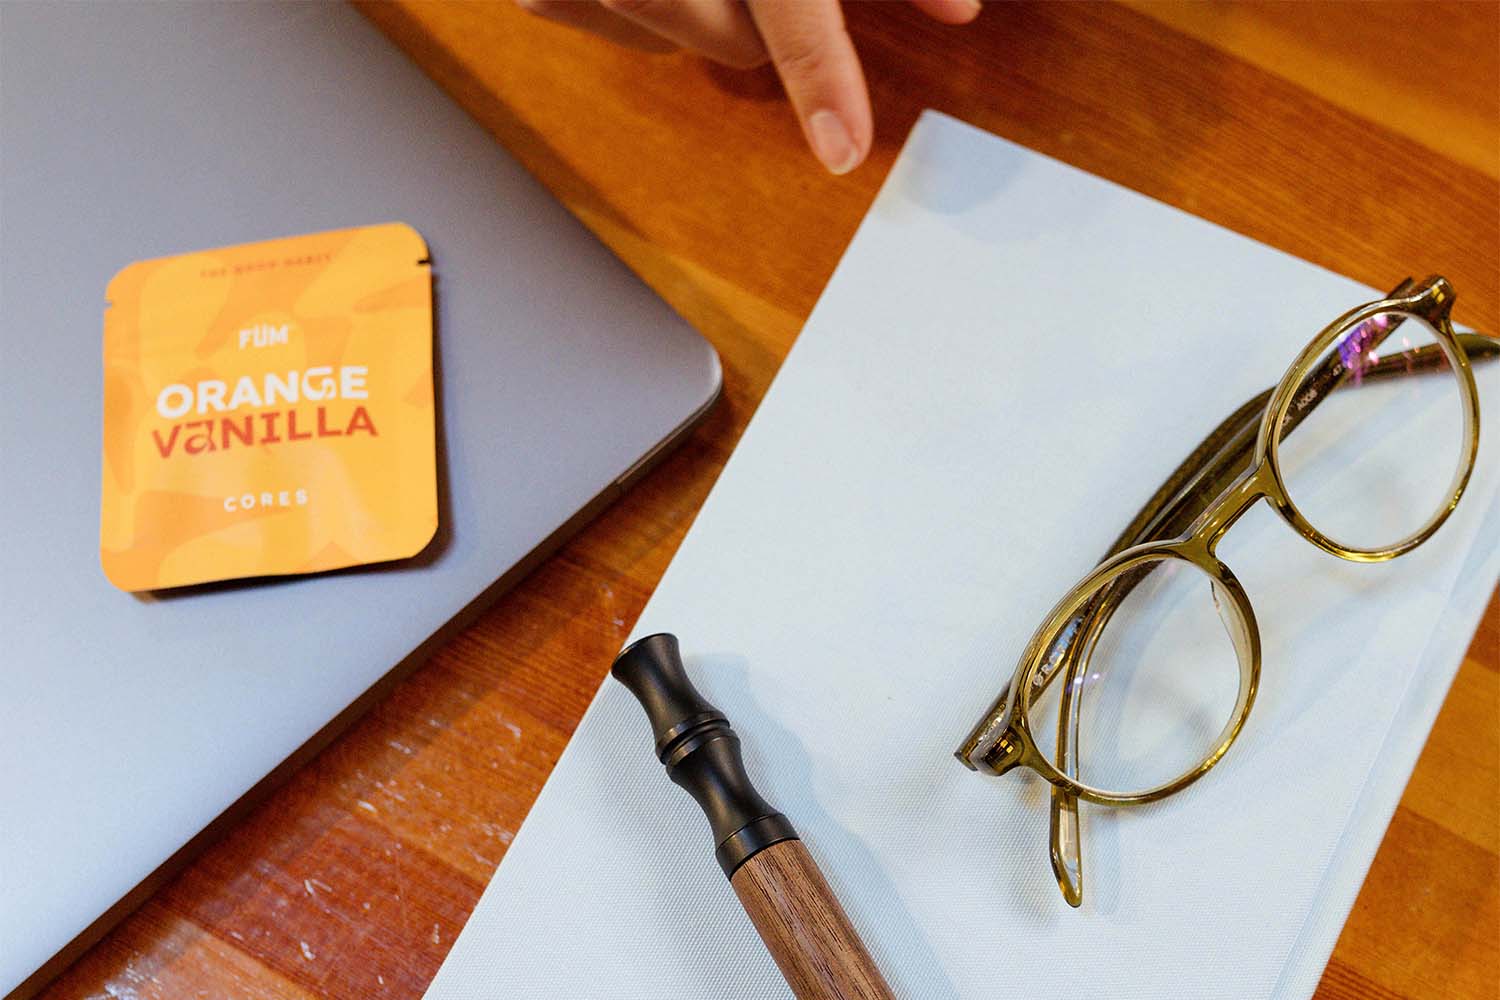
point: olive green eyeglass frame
(1234, 467)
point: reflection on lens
(1157, 688)
(1375, 434)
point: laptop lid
(130, 722)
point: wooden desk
(1296, 125)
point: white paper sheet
(991, 385)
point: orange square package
(268, 409)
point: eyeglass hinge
(1005, 754)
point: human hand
(805, 39)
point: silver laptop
(129, 726)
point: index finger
(820, 70)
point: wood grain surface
(1364, 138)
(805, 927)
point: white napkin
(1009, 359)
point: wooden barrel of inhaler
(776, 879)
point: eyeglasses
(1386, 417)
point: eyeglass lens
(1159, 686)
(1374, 455)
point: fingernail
(831, 142)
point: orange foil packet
(268, 409)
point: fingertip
(949, 11)
(832, 142)
(820, 70)
(840, 128)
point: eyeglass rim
(1430, 302)
(1247, 651)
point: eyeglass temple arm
(1203, 475)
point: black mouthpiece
(700, 750)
